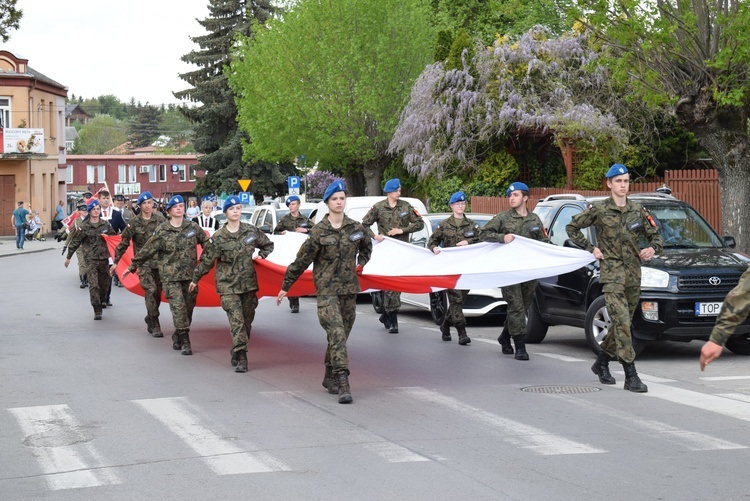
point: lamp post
(300, 163)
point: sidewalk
(8, 246)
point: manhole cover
(560, 389)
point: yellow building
(32, 141)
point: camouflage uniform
(291, 223)
(176, 252)
(96, 254)
(618, 230)
(518, 296)
(448, 233)
(140, 230)
(236, 281)
(402, 216)
(77, 222)
(335, 254)
(734, 312)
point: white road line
(742, 397)
(514, 432)
(562, 358)
(389, 451)
(479, 339)
(221, 455)
(61, 448)
(724, 378)
(712, 403)
(647, 378)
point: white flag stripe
(222, 456)
(63, 452)
(514, 432)
(389, 451)
(712, 403)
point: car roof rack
(563, 196)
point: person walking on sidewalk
(18, 220)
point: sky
(98, 47)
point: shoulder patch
(649, 217)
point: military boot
(632, 381)
(463, 339)
(520, 342)
(149, 324)
(330, 383)
(385, 319)
(185, 344)
(504, 340)
(393, 323)
(156, 327)
(601, 369)
(235, 357)
(97, 314)
(241, 362)
(445, 330)
(294, 304)
(83, 282)
(345, 393)
(176, 343)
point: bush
(317, 182)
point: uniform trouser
(81, 262)
(293, 301)
(240, 310)
(518, 297)
(336, 315)
(391, 301)
(621, 301)
(151, 285)
(455, 314)
(97, 271)
(181, 304)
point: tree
(99, 135)
(143, 128)
(329, 81)
(216, 133)
(178, 129)
(693, 57)
(107, 104)
(10, 18)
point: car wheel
(438, 306)
(377, 301)
(536, 328)
(597, 325)
(739, 345)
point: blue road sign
(293, 182)
(245, 197)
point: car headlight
(654, 279)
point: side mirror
(570, 243)
(265, 228)
(729, 242)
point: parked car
(357, 207)
(479, 302)
(247, 214)
(682, 288)
(266, 217)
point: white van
(357, 207)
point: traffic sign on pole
(244, 183)
(245, 197)
(293, 182)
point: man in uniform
(140, 229)
(455, 231)
(75, 227)
(619, 224)
(175, 246)
(503, 228)
(298, 223)
(395, 218)
(89, 236)
(734, 312)
(231, 249)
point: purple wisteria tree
(534, 85)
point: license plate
(707, 309)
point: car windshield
(681, 227)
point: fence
(699, 188)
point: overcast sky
(97, 47)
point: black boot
(235, 357)
(294, 304)
(632, 381)
(97, 314)
(83, 282)
(385, 319)
(156, 327)
(176, 342)
(504, 340)
(520, 342)
(445, 330)
(185, 344)
(393, 323)
(463, 339)
(345, 393)
(601, 369)
(330, 383)
(241, 362)
(149, 324)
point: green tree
(10, 17)
(107, 104)
(216, 133)
(179, 130)
(330, 81)
(695, 58)
(143, 128)
(99, 135)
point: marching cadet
(395, 218)
(296, 222)
(339, 248)
(734, 312)
(140, 229)
(619, 224)
(77, 222)
(503, 228)
(455, 231)
(231, 249)
(89, 237)
(174, 245)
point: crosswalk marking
(712, 403)
(742, 397)
(724, 378)
(514, 432)
(62, 450)
(562, 358)
(389, 451)
(222, 456)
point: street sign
(244, 183)
(245, 197)
(293, 183)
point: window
(131, 174)
(5, 112)
(69, 174)
(151, 174)
(90, 174)
(183, 172)
(557, 233)
(101, 173)
(122, 174)
(191, 171)
(162, 173)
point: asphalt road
(100, 410)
